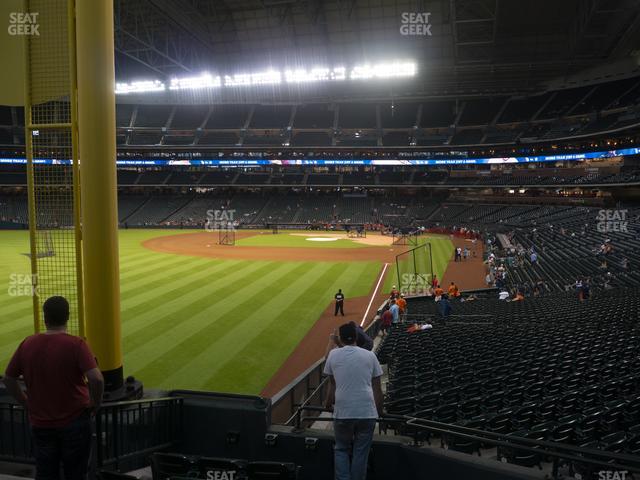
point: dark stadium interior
(520, 127)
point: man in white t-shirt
(355, 393)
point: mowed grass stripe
(166, 275)
(283, 307)
(7, 350)
(257, 312)
(165, 284)
(248, 359)
(151, 264)
(204, 326)
(135, 258)
(157, 304)
(175, 312)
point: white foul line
(374, 294)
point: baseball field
(198, 315)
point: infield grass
(289, 240)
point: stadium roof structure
(482, 46)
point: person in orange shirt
(453, 290)
(402, 303)
(519, 296)
(438, 293)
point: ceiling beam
(187, 18)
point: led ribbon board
(244, 162)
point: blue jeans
(69, 446)
(353, 439)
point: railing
(307, 387)
(15, 434)
(130, 430)
(510, 447)
(124, 431)
(585, 461)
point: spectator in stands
(355, 395)
(339, 297)
(363, 340)
(534, 258)
(586, 290)
(402, 305)
(435, 283)
(395, 311)
(625, 263)
(488, 280)
(385, 320)
(453, 290)
(394, 292)
(578, 286)
(438, 292)
(444, 307)
(504, 294)
(63, 389)
(519, 296)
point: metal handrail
(297, 414)
(116, 430)
(558, 451)
(537, 447)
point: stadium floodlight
(273, 77)
(141, 86)
(339, 73)
(302, 75)
(383, 70)
(269, 77)
(206, 80)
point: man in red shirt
(63, 388)
(385, 321)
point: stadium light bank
(273, 77)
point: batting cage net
(50, 121)
(414, 270)
(405, 238)
(226, 236)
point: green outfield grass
(268, 239)
(199, 323)
(202, 323)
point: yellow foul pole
(97, 135)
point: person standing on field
(339, 297)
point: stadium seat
(168, 465)
(213, 464)
(272, 471)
